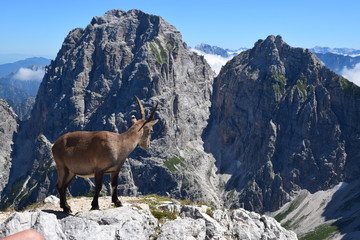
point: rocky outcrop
(8, 127)
(280, 122)
(135, 222)
(91, 86)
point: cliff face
(276, 119)
(281, 121)
(91, 86)
(8, 127)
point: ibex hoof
(118, 204)
(95, 208)
(67, 210)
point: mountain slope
(8, 128)
(91, 86)
(281, 121)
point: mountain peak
(274, 56)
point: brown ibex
(93, 154)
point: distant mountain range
(8, 68)
(343, 61)
(340, 51)
(20, 81)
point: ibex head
(146, 125)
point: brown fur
(93, 154)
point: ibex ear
(152, 123)
(133, 119)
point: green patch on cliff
(323, 231)
(349, 87)
(280, 78)
(161, 52)
(172, 162)
(302, 86)
(279, 83)
(292, 207)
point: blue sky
(38, 27)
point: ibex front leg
(114, 183)
(98, 185)
(64, 179)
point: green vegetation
(171, 163)
(210, 212)
(280, 78)
(163, 215)
(154, 198)
(161, 52)
(321, 232)
(153, 201)
(301, 86)
(293, 206)
(349, 87)
(280, 83)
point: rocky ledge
(149, 217)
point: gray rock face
(8, 127)
(280, 121)
(91, 86)
(132, 223)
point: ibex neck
(133, 135)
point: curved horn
(151, 116)
(152, 113)
(142, 112)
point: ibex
(93, 154)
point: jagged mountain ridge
(215, 50)
(280, 121)
(91, 83)
(338, 51)
(91, 86)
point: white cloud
(27, 74)
(215, 61)
(352, 74)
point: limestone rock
(131, 222)
(91, 86)
(8, 127)
(185, 228)
(281, 121)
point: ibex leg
(64, 179)
(98, 185)
(114, 183)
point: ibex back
(93, 154)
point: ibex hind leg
(98, 185)
(114, 184)
(64, 179)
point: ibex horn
(142, 112)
